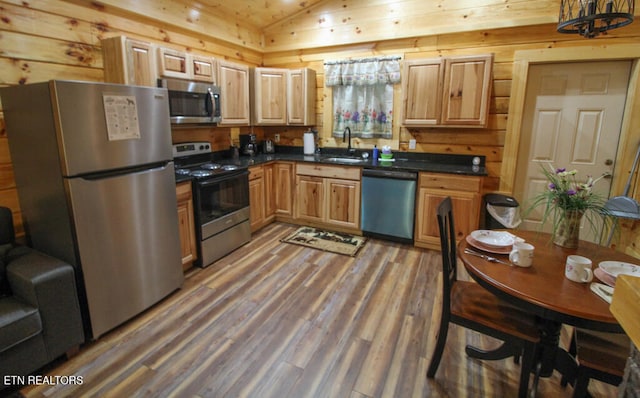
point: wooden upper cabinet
(301, 97)
(269, 88)
(173, 63)
(233, 80)
(128, 61)
(422, 92)
(467, 90)
(203, 68)
(447, 92)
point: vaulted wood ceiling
(288, 25)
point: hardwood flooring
(280, 320)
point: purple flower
(355, 117)
(382, 118)
(552, 186)
(561, 170)
(571, 192)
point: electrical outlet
(412, 144)
(276, 137)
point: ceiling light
(591, 17)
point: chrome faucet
(347, 130)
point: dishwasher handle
(392, 174)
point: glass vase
(567, 233)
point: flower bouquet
(566, 201)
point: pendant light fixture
(591, 17)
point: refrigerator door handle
(128, 170)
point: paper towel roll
(309, 143)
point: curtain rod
(370, 59)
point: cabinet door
(301, 97)
(422, 92)
(234, 86)
(204, 68)
(467, 90)
(172, 63)
(465, 210)
(270, 96)
(310, 198)
(256, 197)
(284, 188)
(269, 192)
(343, 202)
(186, 224)
(128, 61)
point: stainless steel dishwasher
(388, 204)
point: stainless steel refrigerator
(95, 177)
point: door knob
(608, 162)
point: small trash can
(500, 211)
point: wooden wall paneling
(219, 137)
(358, 21)
(17, 18)
(185, 16)
(7, 180)
(16, 71)
(43, 49)
(106, 22)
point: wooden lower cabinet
(465, 197)
(186, 224)
(328, 195)
(270, 193)
(284, 173)
(343, 203)
(261, 197)
(310, 198)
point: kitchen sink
(344, 159)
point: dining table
(543, 290)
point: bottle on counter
(375, 152)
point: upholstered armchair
(39, 310)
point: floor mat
(335, 242)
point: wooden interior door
(573, 114)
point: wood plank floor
(279, 320)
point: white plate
(490, 249)
(495, 239)
(615, 268)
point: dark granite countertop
(410, 161)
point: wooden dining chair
(600, 356)
(471, 306)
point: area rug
(335, 242)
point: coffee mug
(578, 269)
(522, 254)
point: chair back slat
(446, 227)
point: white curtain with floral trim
(363, 95)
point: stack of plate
(608, 271)
(499, 242)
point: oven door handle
(217, 180)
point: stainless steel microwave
(192, 102)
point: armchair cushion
(18, 322)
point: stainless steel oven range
(220, 201)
